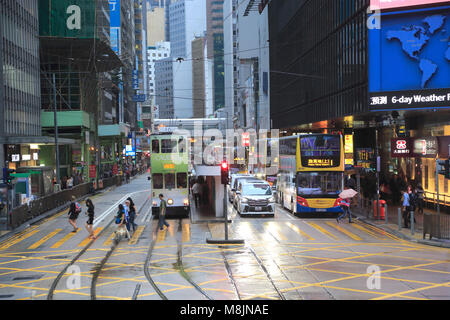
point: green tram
(169, 173)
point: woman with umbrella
(345, 197)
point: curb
(440, 244)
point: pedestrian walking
(132, 213)
(420, 201)
(70, 183)
(74, 211)
(162, 212)
(90, 221)
(197, 192)
(121, 221)
(412, 202)
(345, 205)
(406, 208)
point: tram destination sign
(393, 100)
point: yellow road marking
(17, 235)
(63, 240)
(371, 233)
(44, 239)
(348, 233)
(19, 239)
(186, 232)
(413, 290)
(108, 241)
(272, 227)
(161, 235)
(317, 227)
(297, 229)
(86, 241)
(381, 231)
(136, 235)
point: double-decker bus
(169, 173)
(311, 174)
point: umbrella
(348, 193)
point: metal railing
(437, 226)
(44, 204)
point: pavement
(283, 258)
(404, 233)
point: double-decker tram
(311, 174)
(169, 173)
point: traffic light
(445, 168)
(224, 172)
(7, 178)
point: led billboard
(409, 60)
(391, 4)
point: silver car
(255, 198)
(235, 183)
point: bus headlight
(186, 202)
(170, 202)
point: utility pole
(378, 172)
(58, 181)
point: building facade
(187, 20)
(164, 88)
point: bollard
(412, 222)
(399, 219)
(385, 213)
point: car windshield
(256, 190)
(319, 184)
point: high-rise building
(215, 42)
(19, 77)
(161, 50)
(198, 77)
(187, 20)
(164, 88)
(156, 29)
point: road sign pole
(225, 210)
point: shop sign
(92, 171)
(444, 147)
(35, 156)
(425, 147)
(26, 157)
(414, 147)
(15, 157)
(348, 147)
(401, 148)
(246, 139)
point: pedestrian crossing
(283, 231)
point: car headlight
(186, 202)
(271, 199)
(244, 200)
(170, 201)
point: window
(155, 146)
(321, 184)
(169, 179)
(181, 180)
(168, 146)
(157, 181)
(182, 145)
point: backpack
(77, 208)
(119, 217)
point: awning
(37, 140)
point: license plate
(321, 210)
(258, 208)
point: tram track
(56, 281)
(100, 266)
(179, 265)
